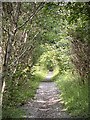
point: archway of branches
(42, 37)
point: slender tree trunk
(11, 34)
(1, 95)
(13, 17)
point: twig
(29, 47)
(32, 15)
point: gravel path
(46, 103)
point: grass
(40, 71)
(22, 94)
(74, 94)
(55, 71)
(12, 112)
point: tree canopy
(53, 35)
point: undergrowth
(17, 95)
(73, 93)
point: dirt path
(46, 103)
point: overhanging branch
(32, 15)
(28, 48)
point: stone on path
(46, 103)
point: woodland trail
(46, 103)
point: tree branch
(32, 15)
(28, 48)
(5, 30)
(17, 13)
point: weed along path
(46, 103)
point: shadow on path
(46, 103)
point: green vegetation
(21, 93)
(42, 37)
(73, 93)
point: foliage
(38, 37)
(73, 93)
(21, 92)
(20, 43)
(79, 32)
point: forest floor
(46, 103)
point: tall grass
(74, 94)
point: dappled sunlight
(44, 59)
(46, 100)
(56, 71)
(47, 62)
(50, 75)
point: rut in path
(46, 103)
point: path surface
(46, 103)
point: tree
(17, 46)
